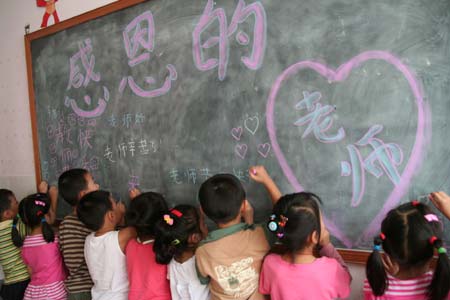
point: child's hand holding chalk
(258, 174)
(442, 202)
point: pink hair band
(431, 218)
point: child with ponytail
(40, 251)
(148, 280)
(178, 234)
(12, 231)
(410, 234)
(294, 270)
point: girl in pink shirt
(293, 270)
(147, 279)
(410, 234)
(40, 251)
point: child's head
(297, 221)
(144, 211)
(410, 234)
(98, 209)
(9, 208)
(74, 184)
(222, 198)
(177, 230)
(32, 211)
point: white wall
(16, 150)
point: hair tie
(280, 235)
(40, 203)
(176, 212)
(442, 250)
(415, 203)
(431, 218)
(376, 247)
(43, 220)
(382, 236)
(433, 239)
(168, 220)
(175, 242)
(272, 224)
(39, 213)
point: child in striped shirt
(74, 184)
(40, 251)
(409, 235)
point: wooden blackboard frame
(350, 256)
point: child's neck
(409, 273)
(105, 229)
(304, 256)
(185, 256)
(36, 230)
(235, 221)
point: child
(12, 230)
(296, 272)
(15, 271)
(178, 234)
(230, 258)
(74, 184)
(409, 235)
(40, 251)
(104, 249)
(148, 280)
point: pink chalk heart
(340, 75)
(236, 133)
(264, 149)
(241, 150)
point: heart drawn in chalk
(252, 124)
(264, 149)
(241, 150)
(340, 75)
(236, 133)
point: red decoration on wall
(50, 9)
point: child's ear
(195, 238)
(314, 237)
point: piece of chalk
(254, 171)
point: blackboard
(348, 99)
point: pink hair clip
(168, 220)
(431, 218)
(40, 203)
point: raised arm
(442, 202)
(259, 174)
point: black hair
(71, 183)
(92, 208)
(410, 240)
(32, 211)
(296, 217)
(6, 196)
(144, 211)
(173, 231)
(221, 197)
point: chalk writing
(241, 13)
(77, 79)
(140, 34)
(195, 176)
(133, 182)
(130, 149)
(384, 159)
(317, 119)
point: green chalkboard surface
(348, 99)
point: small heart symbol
(339, 75)
(264, 149)
(252, 124)
(241, 150)
(236, 133)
